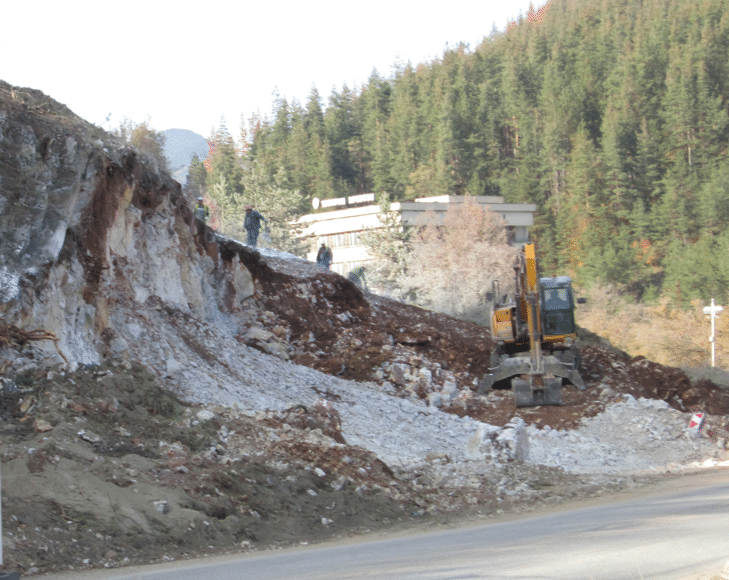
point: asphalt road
(668, 536)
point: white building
(340, 229)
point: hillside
(167, 395)
(610, 115)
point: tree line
(610, 115)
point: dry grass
(662, 333)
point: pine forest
(610, 115)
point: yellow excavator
(534, 331)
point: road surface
(677, 534)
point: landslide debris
(428, 355)
(153, 399)
(110, 469)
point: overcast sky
(185, 64)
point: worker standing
(324, 257)
(202, 215)
(202, 211)
(252, 225)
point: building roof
(356, 218)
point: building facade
(340, 229)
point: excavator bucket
(511, 367)
(527, 394)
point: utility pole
(712, 312)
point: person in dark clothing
(252, 225)
(202, 214)
(324, 257)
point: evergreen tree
(226, 208)
(195, 185)
(223, 160)
(698, 267)
(407, 129)
(297, 164)
(713, 201)
(610, 116)
(582, 220)
(388, 245)
(376, 98)
(313, 116)
(344, 134)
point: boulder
(490, 443)
(480, 445)
(513, 441)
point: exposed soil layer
(104, 467)
(124, 472)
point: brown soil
(104, 468)
(350, 332)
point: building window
(344, 240)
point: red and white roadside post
(695, 424)
(712, 312)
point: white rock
(174, 366)
(435, 400)
(161, 506)
(480, 444)
(205, 415)
(515, 440)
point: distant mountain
(180, 146)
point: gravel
(629, 437)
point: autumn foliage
(455, 257)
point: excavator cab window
(557, 306)
(556, 298)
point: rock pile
(630, 436)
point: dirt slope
(109, 468)
(354, 351)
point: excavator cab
(558, 306)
